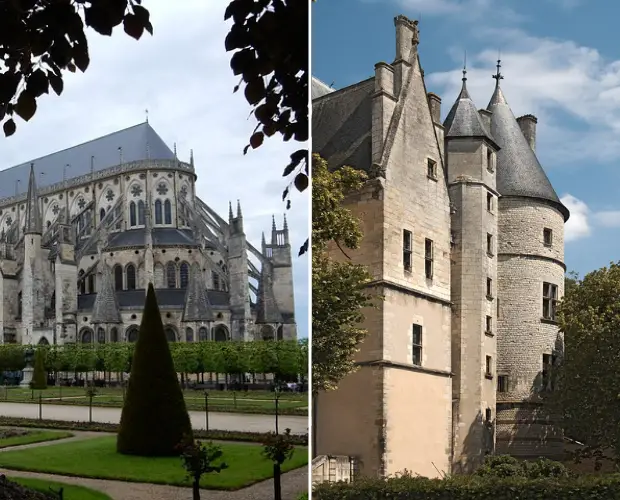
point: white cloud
(608, 218)
(182, 75)
(578, 225)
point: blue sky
(560, 61)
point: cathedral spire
(230, 212)
(239, 214)
(33, 216)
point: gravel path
(220, 421)
(293, 482)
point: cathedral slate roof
(166, 297)
(463, 120)
(342, 126)
(161, 236)
(267, 311)
(105, 308)
(197, 305)
(32, 223)
(132, 140)
(519, 172)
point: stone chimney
(407, 36)
(434, 103)
(485, 116)
(384, 78)
(528, 127)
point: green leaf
(26, 106)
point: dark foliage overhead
(39, 39)
(269, 39)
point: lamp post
(206, 411)
(276, 391)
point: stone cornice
(99, 175)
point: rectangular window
(548, 362)
(428, 258)
(489, 202)
(407, 249)
(548, 237)
(490, 160)
(489, 367)
(416, 342)
(488, 414)
(489, 288)
(550, 300)
(502, 383)
(489, 244)
(489, 325)
(431, 169)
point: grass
(70, 491)
(225, 401)
(97, 458)
(33, 437)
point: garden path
(242, 422)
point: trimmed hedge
(216, 435)
(407, 487)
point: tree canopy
(269, 41)
(39, 40)
(339, 289)
(589, 381)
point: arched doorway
(171, 334)
(44, 341)
(203, 334)
(132, 334)
(189, 335)
(86, 336)
(100, 335)
(266, 332)
(220, 333)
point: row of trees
(283, 358)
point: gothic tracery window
(118, 277)
(158, 212)
(184, 274)
(171, 275)
(168, 212)
(91, 283)
(132, 214)
(131, 277)
(141, 213)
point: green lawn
(33, 437)
(97, 458)
(70, 491)
(250, 402)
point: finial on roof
(498, 76)
(273, 222)
(146, 111)
(230, 212)
(175, 150)
(92, 165)
(239, 209)
(32, 224)
(191, 157)
(120, 154)
(263, 241)
(285, 223)
(464, 67)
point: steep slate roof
(519, 172)
(319, 88)
(463, 120)
(33, 224)
(105, 308)
(197, 305)
(132, 140)
(342, 126)
(168, 297)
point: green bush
(407, 487)
(154, 420)
(39, 377)
(503, 466)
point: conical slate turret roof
(32, 221)
(105, 309)
(463, 119)
(197, 305)
(519, 172)
(267, 311)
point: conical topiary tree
(39, 377)
(154, 420)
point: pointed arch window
(132, 214)
(168, 212)
(184, 274)
(91, 283)
(19, 305)
(118, 277)
(141, 213)
(114, 335)
(101, 214)
(158, 212)
(203, 334)
(118, 214)
(216, 280)
(131, 277)
(171, 275)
